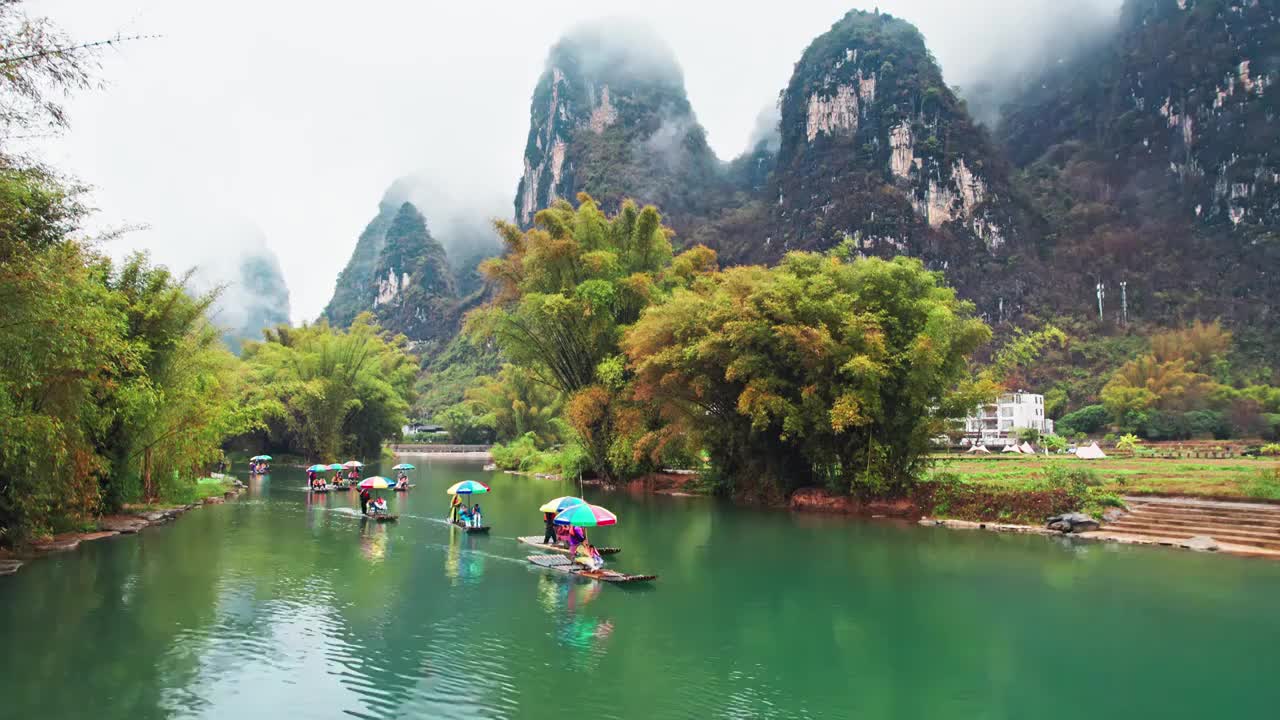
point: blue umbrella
(468, 487)
(317, 468)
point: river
(279, 605)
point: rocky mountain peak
(610, 116)
(875, 146)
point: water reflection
(373, 539)
(557, 594)
(463, 562)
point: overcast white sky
(293, 116)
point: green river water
(282, 606)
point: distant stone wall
(428, 448)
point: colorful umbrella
(375, 483)
(586, 516)
(561, 503)
(317, 468)
(353, 463)
(260, 457)
(404, 466)
(468, 487)
(335, 466)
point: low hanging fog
(299, 116)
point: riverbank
(133, 519)
(1222, 505)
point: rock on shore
(1073, 523)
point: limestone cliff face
(610, 117)
(415, 291)
(876, 147)
(356, 287)
(1183, 98)
(401, 274)
(1154, 157)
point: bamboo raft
(470, 528)
(382, 517)
(536, 541)
(324, 489)
(560, 563)
(405, 489)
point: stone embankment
(1240, 528)
(1236, 528)
(109, 526)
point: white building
(997, 423)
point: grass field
(1244, 478)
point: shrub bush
(1089, 419)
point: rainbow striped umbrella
(561, 503)
(468, 487)
(375, 483)
(335, 466)
(586, 516)
(353, 464)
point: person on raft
(476, 520)
(364, 501)
(577, 538)
(549, 535)
(588, 557)
(378, 506)
(464, 516)
(453, 508)
(402, 481)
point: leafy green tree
(1128, 443)
(339, 391)
(815, 370)
(176, 395)
(566, 291)
(1088, 419)
(61, 338)
(467, 424)
(515, 402)
(1054, 443)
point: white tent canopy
(1027, 449)
(978, 449)
(1011, 448)
(1092, 452)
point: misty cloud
(621, 47)
(767, 129)
(239, 264)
